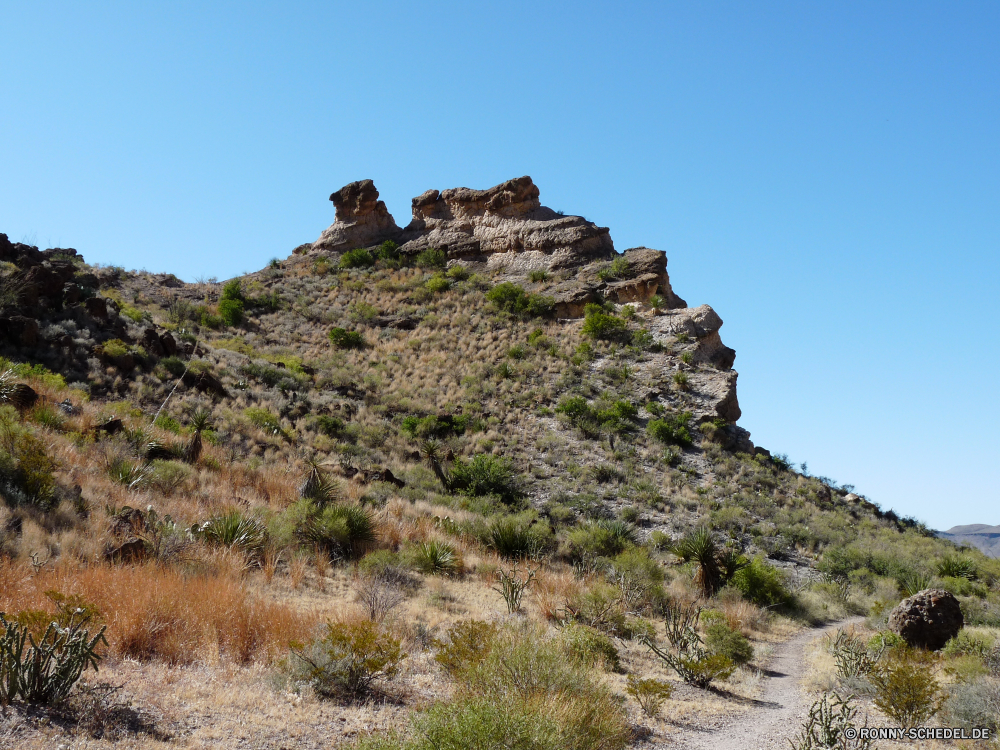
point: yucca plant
(435, 558)
(338, 530)
(318, 485)
(200, 421)
(430, 452)
(511, 539)
(132, 474)
(699, 547)
(237, 531)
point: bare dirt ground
(776, 715)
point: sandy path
(777, 714)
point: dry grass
(158, 613)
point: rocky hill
(389, 430)
(979, 535)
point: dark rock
(23, 396)
(88, 280)
(71, 293)
(169, 344)
(112, 427)
(400, 322)
(928, 619)
(151, 342)
(96, 307)
(129, 551)
(205, 382)
(19, 330)
(48, 282)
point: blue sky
(826, 176)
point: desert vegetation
(409, 492)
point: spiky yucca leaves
(131, 474)
(16, 394)
(237, 531)
(338, 530)
(430, 452)
(434, 557)
(699, 547)
(200, 421)
(318, 485)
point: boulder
(362, 220)
(928, 619)
(151, 342)
(19, 330)
(96, 307)
(647, 276)
(205, 382)
(131, 550)
(169, 344)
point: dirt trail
(777, 714)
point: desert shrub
(672, 430)
(649, 693)
(619, 268)
(357, 258)
(512, 299)
(968, 644)
(45, 670)
(973, 704)
(538, 276)
(438, 283)
(264, 420)
(167, 476)
(173, 365)
(388, 251)
(338, 530)
(603, 538)
(276, 377)
(435, 558)
(512, 538)
(347, 661)
(721, 639)
(231, 311)
(831, 723)
(378, 594)
(853, 657)
(762, 584)
(37, 372)
(329, 426)
(616, 416)
(592, 647)
(599, 324)
(685, 652)
(487, 474)
(128, 473)
(431, 258)
(906, 689)
(341, 338)
(468, 642)
(26, 470)
(235, 530)
(435, 426)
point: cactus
(44, 671)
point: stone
(205, 382)
(362, 220)
(928, 619)
(19, 330)
(131, 550)
(96, 307)
(505, 221)
(112, 427)
(169, 344)
(647, 277)
(151, 342)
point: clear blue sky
(826, 176)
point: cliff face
(505, 232)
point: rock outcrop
(928, 619)
(362, 220)
(469, 224)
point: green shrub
(968, 644)
(27, 471)
(236, 531)
(672, 430)
(905, 687)
(231, 311)
(233, 290)
(435, 426)
(341, 338)
(538, 276)
(435, 558)
(650, 694)
(953, 566)
(129, 473)
(329, 426)
(602, 325)
(388, 251)
(487, 474)
(512, 539)
(174, 365)
(592, 647)
(612, 416)
(357, 258)
(602, 538)
(973, 704)
(431, 258)
(264, 420)
(45, 670)
(348, 660)
(468, 643)
(619, 268)
(721, 639)
(511, 298)
(762, 584)
(338, 530)
(438, 283)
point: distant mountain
(986, 538)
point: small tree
(905, 687)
